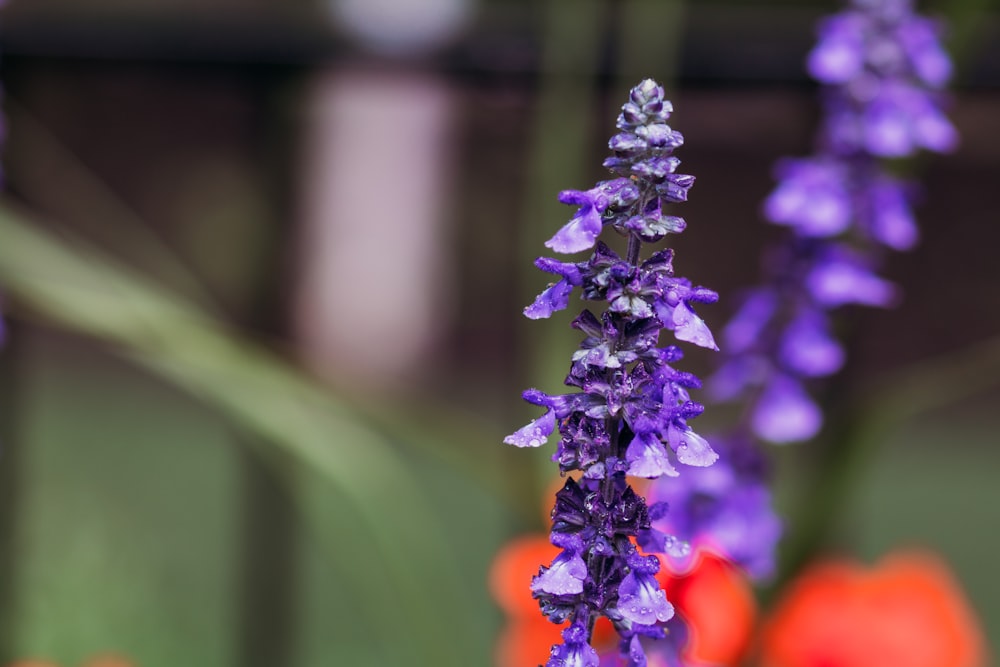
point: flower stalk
(630, 414)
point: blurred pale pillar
(402, 27)
(374, 253)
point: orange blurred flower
(528, 636)
(714, 599)
(107, 660)
(907, 612)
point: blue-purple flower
(883, 69)
(630, 411)
(725, 509)
(883, 66)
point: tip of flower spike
(646, 106)
(649, 92)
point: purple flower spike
(725, 509)
(882, 68)
(628, 408)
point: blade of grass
(80, 290)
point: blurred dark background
(349, 195)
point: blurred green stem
(871, 415)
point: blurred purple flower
(725, 509)
(883, 68)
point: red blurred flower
(714, 599)
(907, 612)
(718, 605)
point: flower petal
(691, 328)
(691, 448)
(647, 457)
(641, 600)
(579, 233)
(554, 298)
(807, 347)
(564, 577)
(535, 433)
(785, 413)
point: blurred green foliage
(363, 500)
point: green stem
(872, 414)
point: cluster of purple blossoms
(630, 415)
(883, 69)
(724, 509)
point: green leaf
(77, 288)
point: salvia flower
(715, 614)
(724, 509)
(630, 411)
(883, 69)
(883, 65)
